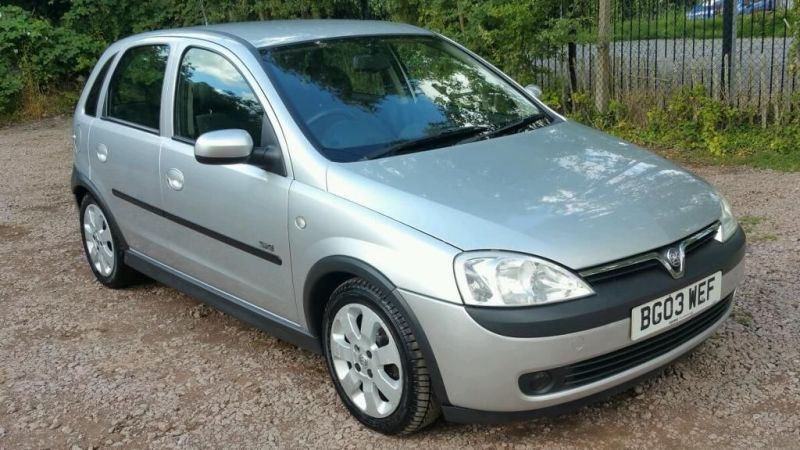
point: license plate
(678, 306)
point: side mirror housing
(223, 147)
(269, 158)
(534, 90)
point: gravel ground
(82, 365)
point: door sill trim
(242, 310)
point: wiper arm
(426, 142)
(514, 125)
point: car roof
(278, 32)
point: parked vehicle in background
(705, 10)
(749, 6)
(712, 8)
(379, 194)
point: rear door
(86, 112)
(124, 143)
(229, 225)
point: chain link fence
(737, 50)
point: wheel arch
(79, 191)
(82, 186)
(329, 272)
(326, 275)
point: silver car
(376, 193)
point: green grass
(741, 316)
(34, 105)
(750, 224)
(668, 25)
(693, 128)
(770, 148)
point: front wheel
(375, 362)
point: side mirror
(269, 158)
(223, 147)
(534, 90)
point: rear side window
(134, 93)
(213, 95)
(90, 108)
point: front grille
(622, 271)
(649, 259)
(700, 241)
(604, 366)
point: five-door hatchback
(377, 193)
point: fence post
(602, 81)
(572, 56)
(728, 68)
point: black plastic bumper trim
(458, 414)
(609, 364)
(614, 297)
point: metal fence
(738, 50)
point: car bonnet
(564, 192)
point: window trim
(99, 82)
(183, 140)
(106, 96)
(133, 125)
(190, 141)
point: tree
(602, 86)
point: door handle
(175, 179)
(102, 153)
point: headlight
(728, 223)
(511, 279)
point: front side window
(356, 97)
(90, 108)
(212, 95)
(134, 93)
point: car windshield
(356, 98)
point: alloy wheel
(98, 240)
(366, 360)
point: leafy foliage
(50, 46)
(694, 127)
(509, 33)
(36, 55)
(47, 47)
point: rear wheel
(101, 243)
(375, 362)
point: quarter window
(134, 94)
(213, 95)
(90, 108)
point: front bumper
(480, 369)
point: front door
(228, 223)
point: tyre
(375, 361)
(101, 243)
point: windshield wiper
(510, 127)
(426, 142)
